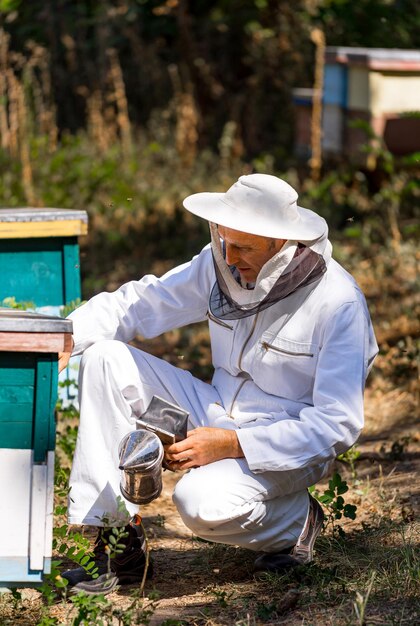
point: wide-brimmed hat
(259, 204)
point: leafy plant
(69, 307)
(47, 620)
(332, 499)
(12, 303)
(113, 541)
(222, 597)
(350, 457)
(90, 609)
(67, 438)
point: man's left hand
(202, 446)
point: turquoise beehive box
(40, 263)
(29, 348)
(39, 255)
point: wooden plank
(17, 376)
(41, 214)
(37, 516)
(14, 571)
(15, 484)
(31, 273)
(26, 362)
(49, 513)
(13, 412)
(53, 402)
(13, 321)
(36, 270)
(71, 271)
(15, 395)
(26, 230)
(16, 436)
(44, 412)
(35, 342)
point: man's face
(248, 252)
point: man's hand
(63, 358)
(203, 446)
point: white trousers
(223, 502)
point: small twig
(146, 565)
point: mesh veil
(305, 267)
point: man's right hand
(203, 445)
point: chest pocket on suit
(285, 367)
(221, 337)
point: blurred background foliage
(124, 107)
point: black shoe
(104, 584)
(299, 554)
(125, 568)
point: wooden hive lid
(29, 222)
(24, 331)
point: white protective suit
(290, 380)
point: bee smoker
(141, 451)
(141, 454)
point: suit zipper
(269, 346)
(246, 341)
(217, 321)
(235, 396)
(240, 364)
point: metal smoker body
(141, 451)
(141, 454)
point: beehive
(29, 347)
(40, 263)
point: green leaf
(336, 481)
(350, 511)
(342, 488)
(325, 499)
(340, 502)
(80, 554)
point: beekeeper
(292, 344)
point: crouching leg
(225, 502)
